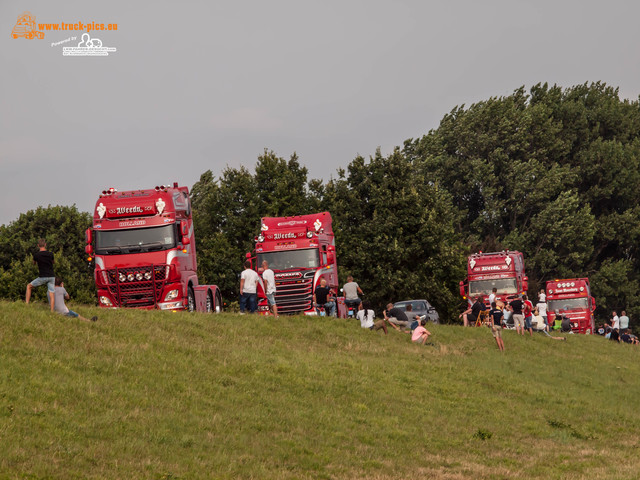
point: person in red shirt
(527, 309)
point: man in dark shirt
(396, 317)
(44, 260)
(470, 315)
(322, 297)
(518, 317)
(495, 315)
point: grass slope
(158, 395)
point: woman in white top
(367, 317)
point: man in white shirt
(270, 287)
(492, 297)
(615, 321)
(248, 288)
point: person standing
(542, 311)
(495, 315)
(623, 320)
(615, 320)
(351, 290)
(248, 288)
(528, 314)
(518, 318)
(270, 287)
(492, 297)
(44, 259)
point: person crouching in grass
(60, 295)
(420, 334)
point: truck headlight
(130, 277)
(173, 294)
(122, 277)
(147, 275)
(139, 276)
(105, 301)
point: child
(60, 295)
(420, 334)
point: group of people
(56, 293)
(617, 329)
(525, 316)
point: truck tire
(218, 304)
(191, 300)
(209, 305)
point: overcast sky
(196, 86)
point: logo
(88, 47)
(26, 27)
(288, 275)
(160, 205)
(279, 236)
(291, 223)
(101, 210)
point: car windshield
(307, 258)
(415, 305)
(485, 287)
(116, 242)
(567, 304)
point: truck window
(568, 304)
(116, 242)
(485, 287)
(307, 258)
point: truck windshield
(485, 287)
(116, 242)
(290, 259)
(568, 304)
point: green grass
(176, 396)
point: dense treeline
(552, 172)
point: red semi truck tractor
(301, 251)
(501, 270)
(144, 249)
(572, 297)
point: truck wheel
(218, 305)
(191, 300)
(209, 307)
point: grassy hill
(165, 396)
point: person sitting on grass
(420, 334)
(367, 318)
(60, 295)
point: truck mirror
(331, 248)
(330, 258)
(88, 236)
(248, 256)
(88, 250)
(186, 240)
(184, 229)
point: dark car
(419, 307)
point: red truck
(143, 244)
(301, 251)
(486, 271)
(572, 297)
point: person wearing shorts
(60, 296)
(518, 317)
(420, 334)
(528, 315)
(44, 259)
(270, 287)
(495, 315)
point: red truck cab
(301, 251)
(501, 270)
(572, 297)
(143, 245)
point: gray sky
(195, 86)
